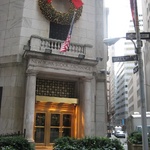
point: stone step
(43, 147)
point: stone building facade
(46, 93)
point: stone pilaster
(87, 106)
(101, 105)
(30, 106)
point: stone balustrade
(40, 44)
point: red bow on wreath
(49, 1)
(77, 3)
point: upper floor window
(58, 31)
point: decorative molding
(31, 73)
(60, 65)
(57, 99)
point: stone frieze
(60, 65)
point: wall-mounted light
(81, 56)
(99, 58)
(26, 47)
(103, 71)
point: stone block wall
(12, 104)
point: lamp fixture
(99, 58)
(81, 56)
(26, 47)
(103, 71)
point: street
(123, 141)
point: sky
(119, 17)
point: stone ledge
(10, 59)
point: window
(131, 91)
(131, 100)
(131, 108)
(58, 31)
(1, 89)
(55, 88)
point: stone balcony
(48, 45)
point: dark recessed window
(1, 89)
(58, 31)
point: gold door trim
(49, 108)
(57, 99)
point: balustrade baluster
(48, 44)
(55, 45)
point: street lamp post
(112, 41)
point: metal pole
(141, 79)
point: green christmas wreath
(53, 15)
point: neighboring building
(124, 71)
(44, 92)
(134, 95)
(134, 103)
(123, 74)
(111, 87)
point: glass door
(55, 129)
(66, 124)
(40, 128)
(50, 126)
(60, 125)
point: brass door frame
(42, 112)
(61, 127)
(47, 125)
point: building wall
(12, 69)
(123, 74)
(133, 95)
(19, 20)
(12, 80)
(111, 87)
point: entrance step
(43, 147)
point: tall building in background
(116, 28)
(123, 73)
(111, 86)
(44, 92)
(134, 104)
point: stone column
(30, 106)
(87, 107)
(101, 105)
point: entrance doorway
(52, 125)
(55, 110)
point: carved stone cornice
(31, 73)
(34, 62)
(61, 58)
